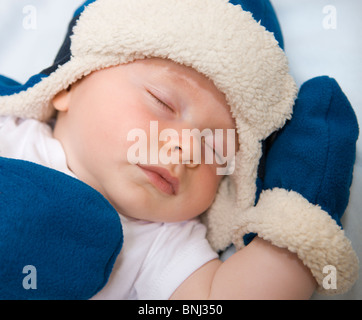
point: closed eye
(163, 104)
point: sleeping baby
(131, 81)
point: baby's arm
(259, 271)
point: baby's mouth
(161, 179)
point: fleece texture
(308, 173)
(66, 230)
(263, 12)
(280, 218)
(324, 126)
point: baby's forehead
(172, 70)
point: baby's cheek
(208, 184)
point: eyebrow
(174, 76)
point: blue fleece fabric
(60, 226)
(315, 152)
(9, 87)
(82, 7)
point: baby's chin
(157, 217)
(145, 204)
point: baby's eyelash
(161, 103)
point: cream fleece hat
(215, 37)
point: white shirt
(155, 258)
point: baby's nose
(190, 152)
(184, 152)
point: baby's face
(97, 115)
